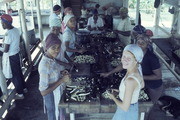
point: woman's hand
(82, 50)
(111, 95)
(64, 72)
(114, 90)
(66, 78)
(95, 28)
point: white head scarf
(55, 23)
(67, 18)
(137, 52)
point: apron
(6, 66)
(57, 97)
(3, 84)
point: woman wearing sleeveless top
(130, 86)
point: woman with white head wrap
(131, 84)
(68, 43)
(68, 13)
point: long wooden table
(97, 108)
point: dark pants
(155, 94)
(17, 79)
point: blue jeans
(131, 114)
(50, 106)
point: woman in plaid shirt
(52, 80)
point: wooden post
(24, 29)
(59, 2)
(142, 115)
(52, 6)
(125, 3)
(157, 16)
(6, 8)
(72, 116)
(32, 14)
(178, 26)
(39, 20)
(137, 11)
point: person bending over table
(95, 22)
(124, 27)
(68, 42)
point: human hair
(56, 8)
(97, 6)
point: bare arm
(117, 69)
(53, 86)
(124, 33)
(68, 49)
(67, 65)
(130, 86)
(157, 74)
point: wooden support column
(6, 8)
(24, 28)
(125, 3)
(178, 26)
(137, 11)
(32, 14)
(72, 116)
(59, 2)
(157, 17)
(39, 20)
(52, 6)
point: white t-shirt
(68, 36)
(124, 25)
(100, 22)
(51, 17)
(12, 38)
(83, 13)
